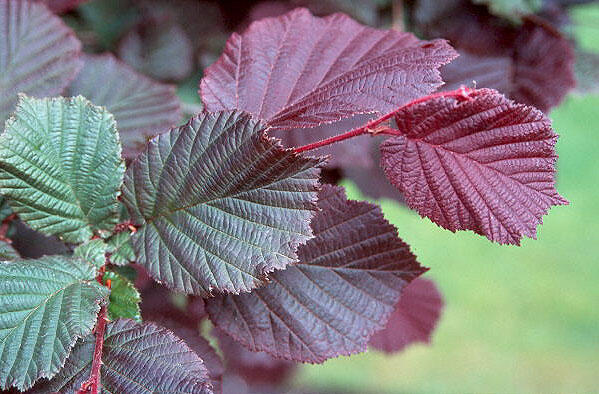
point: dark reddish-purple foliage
(474, 160)
(241, 222)
(343, 289)
(414, 319)
(299, 71)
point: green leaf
(94, 252)
(61, 167)
(137, 358)
(46, 305)
(7, 252)
(124, 298)
(121, 248)
(219, 204)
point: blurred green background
(517, 319)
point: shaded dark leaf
(158, 47)
(137, 358)
(60, 6)
(474, 160)
(343, 289)
(40, 55)
(415, 317)
(142, 107)
(219, 205)
(299, 71)
(186, 327)
(255, 368)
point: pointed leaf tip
(299, 71)
(219, 204)
(343, 289)
(414, 319)
(475, 161)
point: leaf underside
(414, 319)
(299, 71)
(343, 289)
(137, 358)
(46, 305)
(141, 107)
(61, 167)
(218, 204)
(475, 161)
(39, 55)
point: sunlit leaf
(46, 305)
(61, 167)
(218, 204)
(474, 160)
(344, 288)
(124, 297)
(298, 71)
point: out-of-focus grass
(517, 319)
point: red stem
(92, 385)
(374, 126)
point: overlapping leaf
(39, 55)
(414, 319)
(61, 167)
(256, 368)
(136, 358)
(298, 71)
(124, 297)
(94, 252)
(187, 327)
(219, 205)
(531, 63)
(344, 288)
(7, 252)
(160, 48)
(120, 248)
(141, 107)
(46, 305)
(474, 160)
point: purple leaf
(343, 289)
(136, 358)
(415, 317)
(543, 66)
(60, 6)
(474, 160)
(299, 71)
(256, 368)
(159, 48)
(39, 55)
(531, 63)
(142, 107)
(188, 330)
(219, 204)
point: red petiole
(378, 126)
